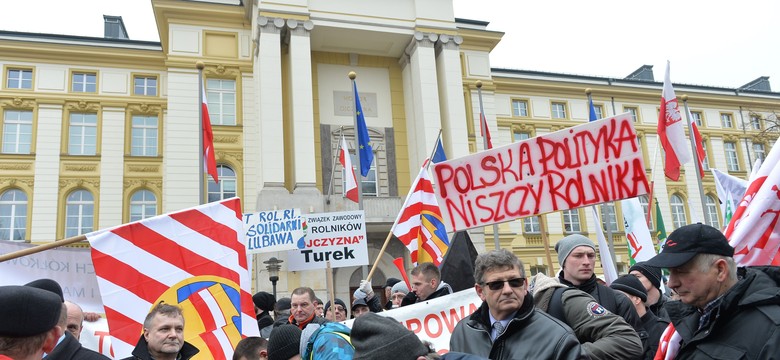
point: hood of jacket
(538, 286)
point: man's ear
(51, 339)
(480, 291)
(723, 269)
(264, 354)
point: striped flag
(194, 258)
(419, 226)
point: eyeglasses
(499, 284)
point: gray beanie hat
(399, 287)
(565, 246)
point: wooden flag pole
(379, 256)
(44, 247)
(331, 291)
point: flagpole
(352, 75)
(485, 146)
(200, 65)
(39, 248)
(697, 161)
(433, 152)
(333, 166)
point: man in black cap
(723, 312)
(264, 304)
(652, 325)
(336, 312)
(388, 287)
(651, 279)
(28, 322)
(163, 336)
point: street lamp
(273, 266)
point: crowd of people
(721, 312)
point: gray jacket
(602, 334)
(531, 334)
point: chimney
(114, 27)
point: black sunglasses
(499, 284)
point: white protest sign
(587, 164)
(338, 237)
(435, 320)
(70, 267)
(94, 336)
(269, 231)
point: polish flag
(209, 160)
(671, 130)
(699, 145)
(483, 125)
(346, 162)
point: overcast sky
(708, 43)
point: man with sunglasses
(506, 325)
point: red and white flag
(194, 258)
(671, 130)
(350, 182)
(699, 145)
(485, 129)
(754, 229)
(209, 160)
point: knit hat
(688, 241)
(384, 338)
(629, 284)
(338, 302)
(27, 311)
(283, 304)
(48, 285)
(264, 301)
(399, 287)
(565, 246)
(650, 272)
(391, 281)
(358, 302)
(284, 342)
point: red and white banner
(754, 230)
(94, 336)
(588, 164)
(671, 131)
(196, 259)
(350, 181)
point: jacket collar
(586, 286)
(482, 315)
(141, 350)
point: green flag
(660, 231)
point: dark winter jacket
(141, 351)
(265, 323)
(613, 301)
(531, 334)
(658, 308)
(654, 326)
(70, 348)
(443, 289)
(746, 324)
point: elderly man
(577, 257)
(426, 284)
(302, 309)
(720, 314)
(69, 346)
(163, 336)
(29, 322)
(337, 312)
(506, 325)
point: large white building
(99, 131)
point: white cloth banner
(436, 319)
(640, 243)
(610, 272)
(70, 267)
(94, 336)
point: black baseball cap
(688, 241)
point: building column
(181, 185)
(425, 119)
(453, 106)
(112, 167)
(47, 174)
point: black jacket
(747, 324)
(658, 308)
(531, 334)
(654, 326)
(613, 301)
(265, 323)
(70, 348)
(141, 351)
(411, 297)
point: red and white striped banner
(196, 259)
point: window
(633, 111)
(571, 221)
(705, 163)
(521, 135)
(222, 101)
(643, 200)
(599, 111)
(83, 82)
(609, 216)
(732, 161)
(368, 182)
(531, 225)
(538, 269)
(17, 131)
(82, 134)
(145, 85)
(520, 108)
(143, 204)
(558, 110)
(678, 212)
(755, 122)
(79, 213)
(19, 79)
(726, 121)
(711, 212)
(143, 136)
(622, 268)
(758, 150)
(696, 117)
(227, 184)
(13, 215)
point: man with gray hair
(506, 325)
(163, 336)
(723, 312)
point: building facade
(98, 132)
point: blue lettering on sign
(266, 240)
